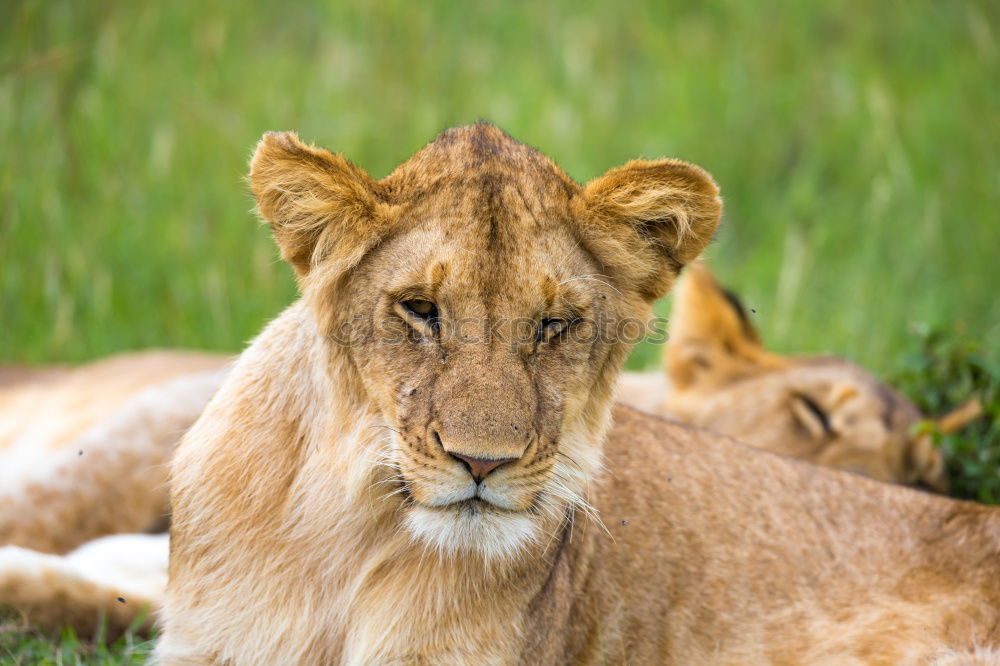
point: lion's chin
(473, 526)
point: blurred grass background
(857, 145)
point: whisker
(382, 425)
(395, 479)
(593, 277)
(404, 489)
(571, 460)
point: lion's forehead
(483, 214)
(492, 212)
(449, 257)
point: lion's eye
(811, 415)
(548, 329)
(421, 309)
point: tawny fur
(311, 515)
(85, 450)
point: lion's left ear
(648, 219)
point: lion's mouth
(477, 504)
(468, 500)
(472, 506)
(469, 506)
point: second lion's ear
(648, 219)
(712, 342)
(319, 205)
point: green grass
(857, 145)
(21, 646)
(940, 371)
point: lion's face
(484, 363)
(486, 302)
(825, 410)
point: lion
(416, 462)
(826, 410)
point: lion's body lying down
(135, 413)
(714, 552)
(750, 562)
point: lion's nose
(480, 467)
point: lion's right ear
(319, 205)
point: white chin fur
(493, 534)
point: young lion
(822, 409)
(394, 472)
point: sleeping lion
(822, 409)
(375, 484)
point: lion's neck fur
(363, 580)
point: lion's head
(485, 303)
(825, 410)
